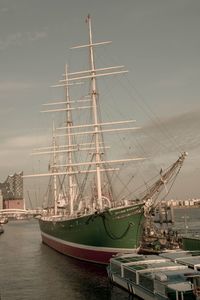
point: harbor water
(187, 220)
(30, 270)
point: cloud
(4, 112)
(16, 151)
(36, 35)
(19, 38)
(4, 10)
(161, 143)
(19, 142)
(181, 130)
(24, 141)
(165, 141)
(13, 39)
(10, 90)
(7, 86)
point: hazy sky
(157, 40)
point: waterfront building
(12, 192)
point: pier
(15, 213)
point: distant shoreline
(186, 206)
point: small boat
(154, 277)
(3, 220)
(188, 258)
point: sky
(158, 41)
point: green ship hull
(95, 237)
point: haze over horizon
(157, 41)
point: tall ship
(85, 217)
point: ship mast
(99, 127)
(95, 114)
(54, 169)
(70, 177)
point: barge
(188, 258)
(154, 277)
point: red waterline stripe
(101, 257)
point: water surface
(32, 270)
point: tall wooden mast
(55, 193)
(95, 114)
(69, 169)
